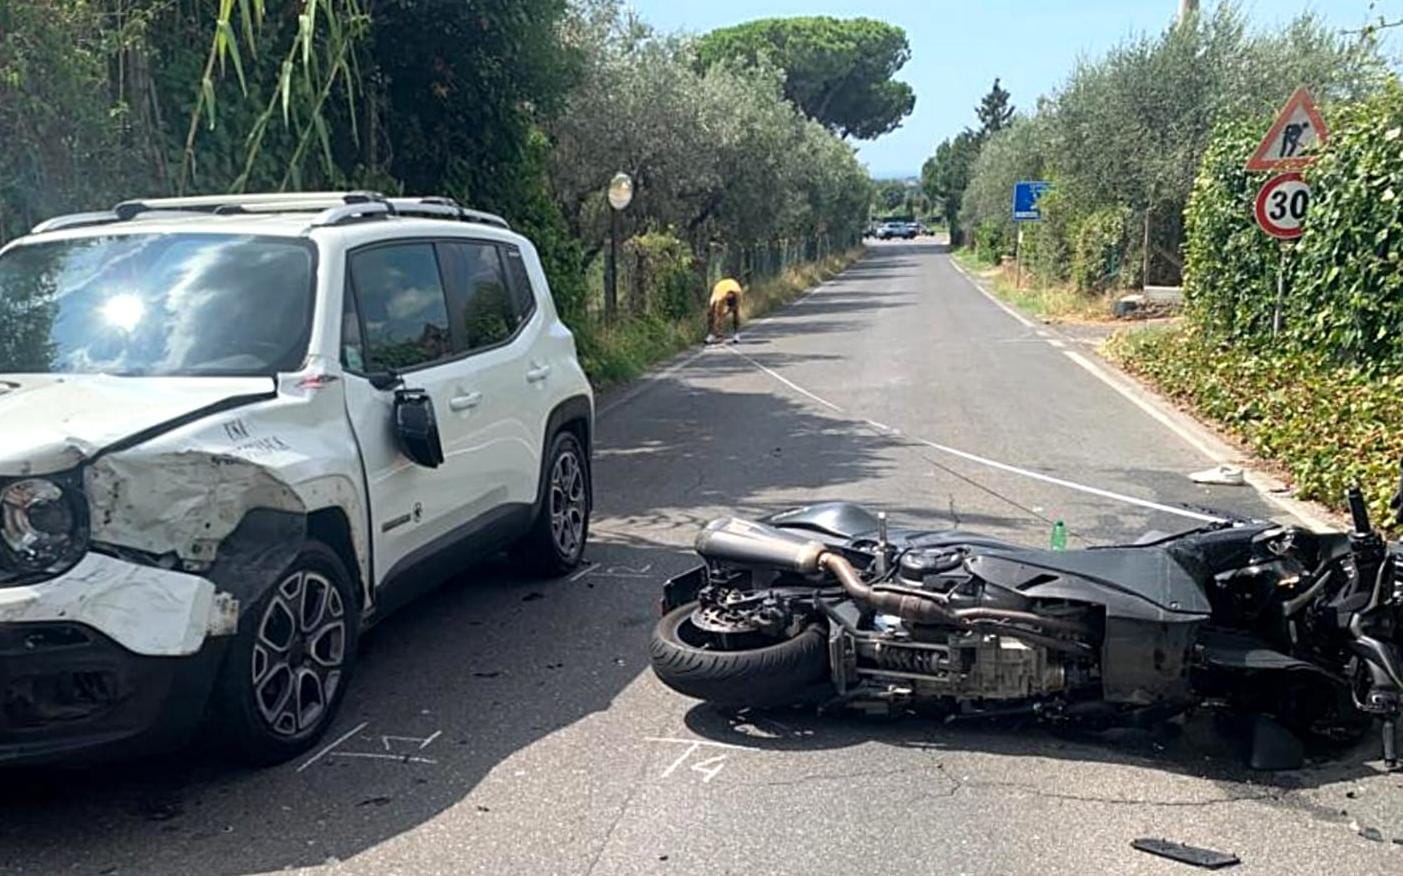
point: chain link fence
(661, 275)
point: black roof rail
(333, 208)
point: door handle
(537, 374)
(465, 402)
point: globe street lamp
(620, 196)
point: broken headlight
(43, 527)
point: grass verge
(1050, 303)
(1328, 427)
(618, 353)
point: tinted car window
(156, 304)
(522, 296)
(484, 311)
(402, 305)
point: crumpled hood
(51, 423)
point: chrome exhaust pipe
(746, 543)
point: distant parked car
(890, 229)
(914, 230)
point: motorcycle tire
(775, 675)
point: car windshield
(156, 304)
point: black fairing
(841, 520)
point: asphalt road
(508, 726)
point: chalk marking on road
(589, 567)
(707, 742)
(789, 383)
(1023, 320)
(370, 755)
(709, 767)
(327, 750)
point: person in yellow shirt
(725, 301)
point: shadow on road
(1199, 747)
(475, 672)
(480, 668)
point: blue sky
(959, 46)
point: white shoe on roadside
(1227, 475)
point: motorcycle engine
(950, 661)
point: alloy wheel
(567, 504)
(299, 653)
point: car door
(497, 326)
(397, 322)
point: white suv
(237, 430)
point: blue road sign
(1025, 199)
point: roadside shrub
(1099, 254)
(1046, 251)
(991, 242)
(667, 276)
(1329, 426)
(1344, 279)
(1346, 282)
(1229, 263)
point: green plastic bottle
(1059, 536)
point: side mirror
(1396, 503)
(417, 427)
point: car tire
(782, 674)
(556, 541)
(286, 672)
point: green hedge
(1344, 287)
(1329, 426)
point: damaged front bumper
(109, 659)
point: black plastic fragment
(1206, 858)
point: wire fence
(674, 282)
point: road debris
(1206, 858)
(1222, 475)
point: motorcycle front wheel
(699, 664)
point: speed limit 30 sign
(1282, 204)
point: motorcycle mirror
(1396, 503)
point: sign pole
(1280, 289)
(1018, 259)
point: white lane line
(1302, 511)
(1023, 320)
(991, 463)
(327, 750)
(1056, 343)
(647, 382)
(787, 382)
(1071, 485)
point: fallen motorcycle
(1298, 630)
